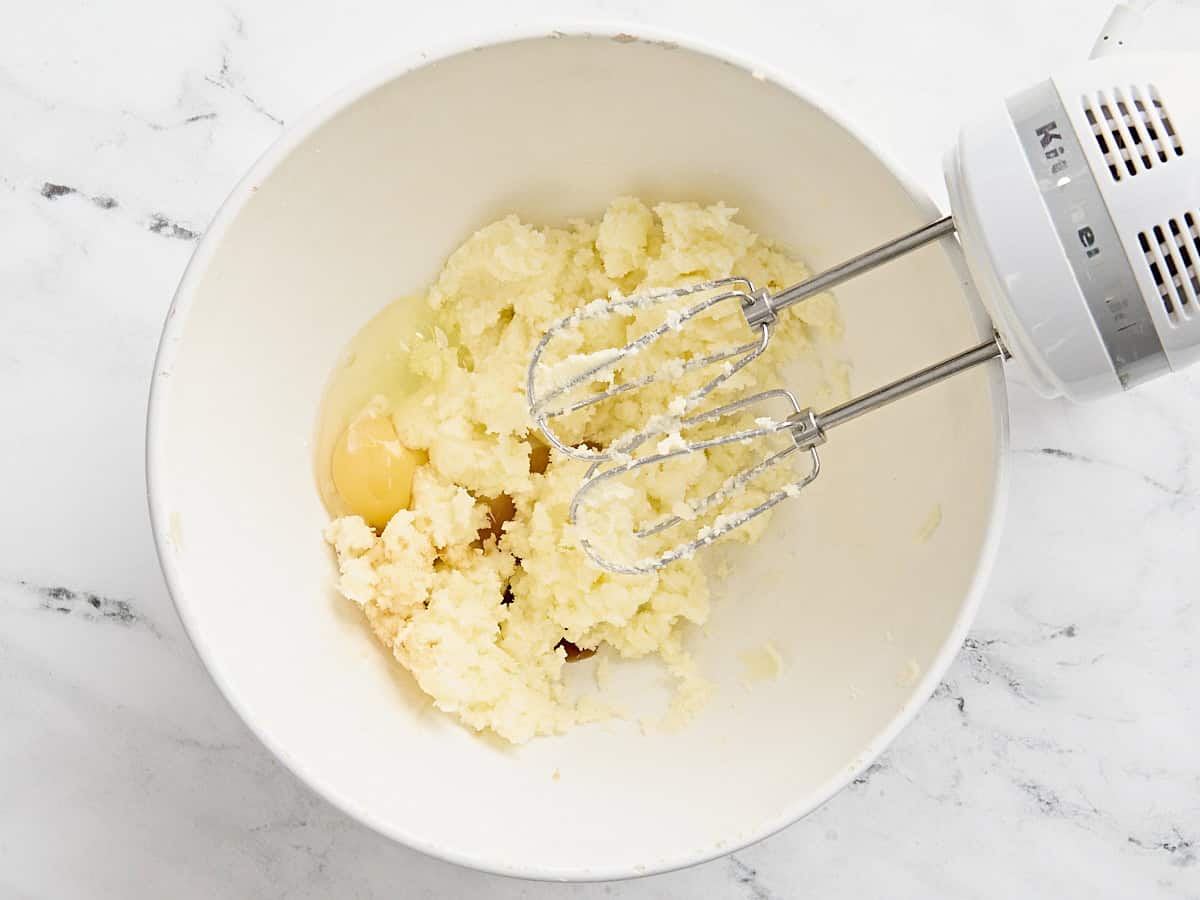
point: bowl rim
(157, 480)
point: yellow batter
(455, 541)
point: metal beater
(1077, 204)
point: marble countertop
(1059, 757)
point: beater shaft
(766, 306)
(809, 428)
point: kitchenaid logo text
(1050, 139)
(1087, 240)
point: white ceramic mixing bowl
(359, 206)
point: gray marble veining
(1057, 759)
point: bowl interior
(363, 209)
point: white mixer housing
(1078, 205)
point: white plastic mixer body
(1077, 203)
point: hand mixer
(1077, 204)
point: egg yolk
(372, 471)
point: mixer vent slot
(1132, 129)
(1172, 252)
